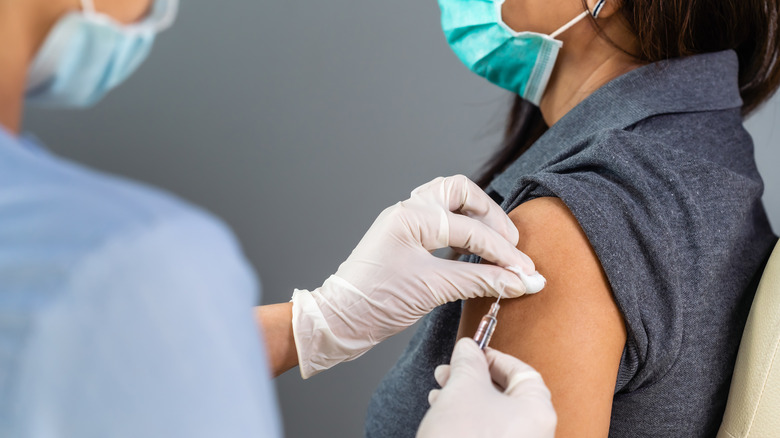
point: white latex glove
(391, 279)
(491, 395)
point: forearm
(275, 322)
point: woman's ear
(604, 8)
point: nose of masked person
(88, 52)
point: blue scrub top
(124, 311)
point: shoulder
(116, 295)
(572, 331)
(662, 209)
(52, 203)
(77, 240)
(712, 146)
(552, 236)
(655, 171)
(64, 223)
(61, 218)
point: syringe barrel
(485, 330)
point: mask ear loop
(568, 25)
(578, 18)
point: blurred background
(297, 123)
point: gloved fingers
(471, 280)
(459, 194)
(514, 376)
(433, 395)
(468, 364)
(480, 239)
(442, 374)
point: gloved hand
(391, 279)
(490, 395)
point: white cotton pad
(533, 283)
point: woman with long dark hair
(632, 182)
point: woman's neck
(586, 62)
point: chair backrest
(753, 408)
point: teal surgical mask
(87, 53)
(520, 62)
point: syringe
(487, 326)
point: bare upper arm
(572, 332)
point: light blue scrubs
(124, 311)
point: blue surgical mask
(87, 54)
(521, 62)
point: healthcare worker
(125, 312)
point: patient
(641, 204)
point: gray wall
(298, 122)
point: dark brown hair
(667, 29)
